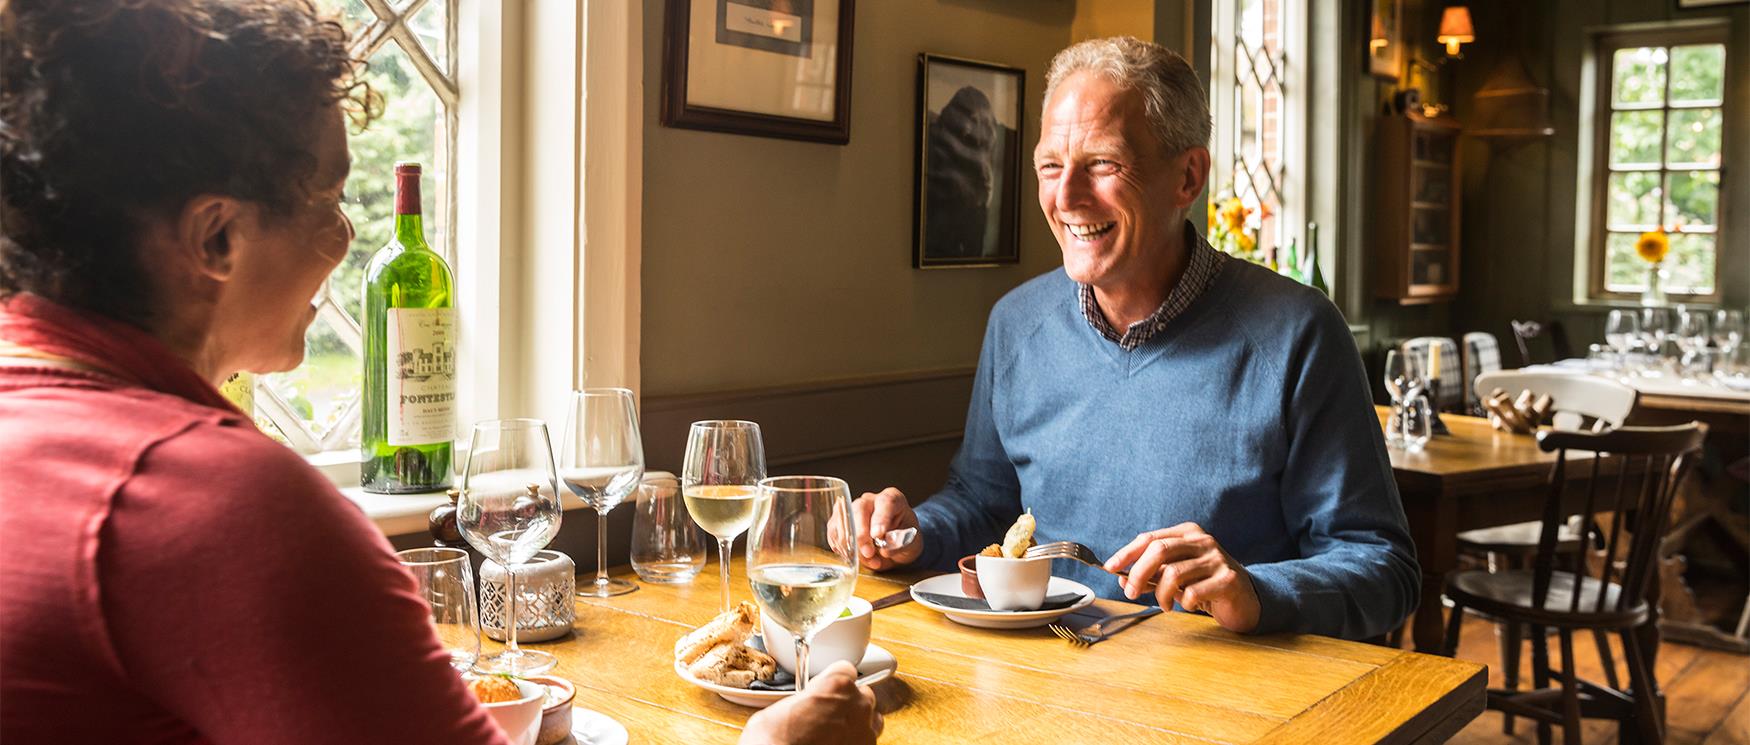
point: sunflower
(1213, 212)
(1245, 243)
(1234, 212)
(1652, 246)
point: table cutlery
(1074, 552)
(896, 539)
(1100, 630)
(895, 599)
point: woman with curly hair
(170, 189)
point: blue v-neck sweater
(1249, 415)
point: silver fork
(1097, 631)
(1073, 551)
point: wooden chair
(1526, 334)
(1633, 478)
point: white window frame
(1294, 64)
(549, 219)
(1594, 158)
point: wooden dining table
(1175, 677)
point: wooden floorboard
(1707, 691)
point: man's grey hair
(1173, 98)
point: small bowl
(520, 719)
(969, 577)
(1013, 584)
(556, 717)
(846, 638)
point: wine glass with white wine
(508, 510)
(602, 462)
(801, 577)
(724, 463)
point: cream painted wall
(1097, 19)
(769, 262)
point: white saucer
(878, 664)
(595, 728)
(949, 584)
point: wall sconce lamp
(1455, 29)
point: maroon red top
(406, 188)
(171, 575)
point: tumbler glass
(667, 547)
(446, 584)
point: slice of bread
(733, 627)
(733, 664)
(1019, 537)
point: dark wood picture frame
(1006, 148)
(676, 112)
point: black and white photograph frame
(967, 197)
(766, 68)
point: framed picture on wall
(767, 68)
(968, 163)
(1385, 39)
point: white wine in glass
(800, 578)
(508, 510)
(724, 463)
(602, 462)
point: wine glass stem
(510, 611)
(801, 661)
(601, 548)
(723, 545)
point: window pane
(1624, 271)
(353, 14)
(1692, 198)
(1634, 138)
(1694, 137)
(1638, 75)
(323, 388)
(1690, 265)
(1634, 200)
(428, 25)
(1698, 73)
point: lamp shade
(1455, 28)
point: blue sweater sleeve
(1358, 577)
(982, 496)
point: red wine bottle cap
(407, 166)
(407, 188)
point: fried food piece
(733, 627)
(492, 689)
(734, 665)
(1019, 537)
(992, 550)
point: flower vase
(1654, 296)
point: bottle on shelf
(1314, 276)
(409, 415)
(1290, 265)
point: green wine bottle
(409, 417)
(1290, 265)
(1314, 276)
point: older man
(1202, 421)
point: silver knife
(895, 599)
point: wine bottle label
(422, 375)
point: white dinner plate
(595, 728)
(878, 664)
(949, 584)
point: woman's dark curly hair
(114, 111)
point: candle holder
(545, 608)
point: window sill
(406, 514)
(1600, 305)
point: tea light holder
(546, 586)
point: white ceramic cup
(846, 638)
(1013, 584)
(520, 719)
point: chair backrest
(1451, 393)
(1526, 332)
(1632, 478)
(1572, 395)
(1482, 354)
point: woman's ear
(205, 232)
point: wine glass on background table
(1622, 329)
(602, 462)
(1692, 336)
(1655, 329)
(800, 578)
(1728, 334)
(1403, 380)
(508, 510)
(725, 461)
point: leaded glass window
(410, 46)
(1257, 152)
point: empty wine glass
(1403, 380)
(1418, 423)
(724, 463)
(800, 578)
(601, 462)
(1655, 329)
(1728, 333)
(1692, 335)
(1621, 330)
(508, 510)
